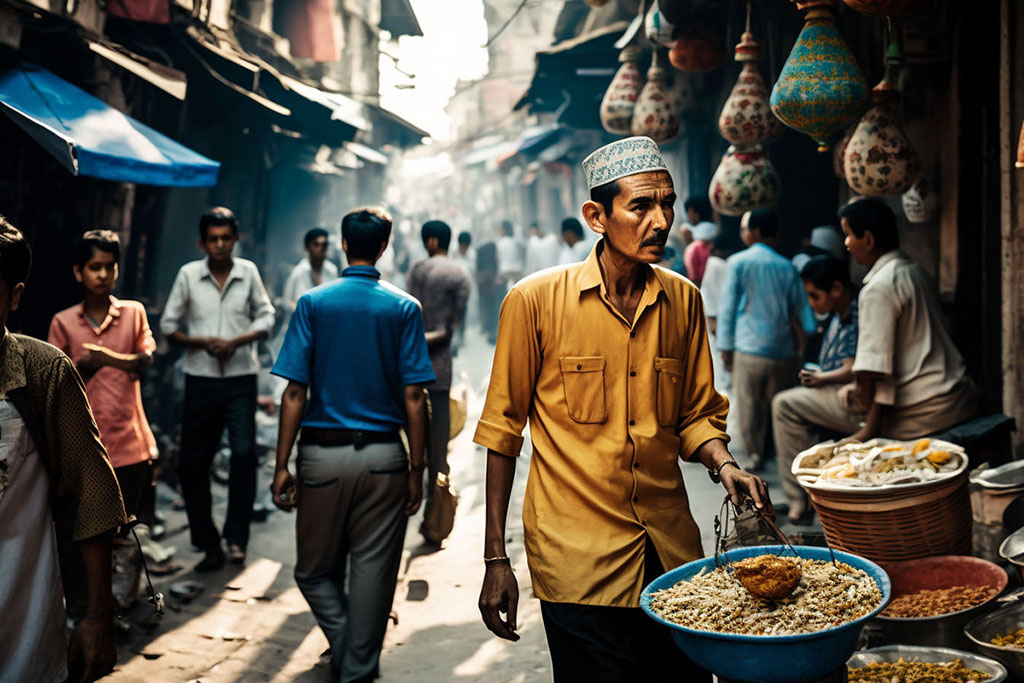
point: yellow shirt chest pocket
(669, 373)
(583, 382)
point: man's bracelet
(497, 559)
(715, 474)
(418, 468)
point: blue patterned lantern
(821, 90)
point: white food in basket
(878, 463)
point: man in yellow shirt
(609, 361)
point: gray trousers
(755, 380)
(351, 507)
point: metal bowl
(940, 655)
(1000, 622)
(768, 659)
(929, 573)
(1012, 548)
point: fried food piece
(768, 577)
(939, 457)
(921, 445)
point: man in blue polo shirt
(356, 348)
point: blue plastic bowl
(769, 659)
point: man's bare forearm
(181, 339)
(247, 337)
(96, 559)
(416, 423)
(713, 453)
(293, 404)
(501, 472)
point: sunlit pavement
(252, 624)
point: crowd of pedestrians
(604, 356)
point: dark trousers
(594, 644)
(440, 428)
(138, 490)
(211, 404)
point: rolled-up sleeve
(727, 311)
(173, 316)
(85, 482)
(703, 411)
(260, 307)
(513, 378)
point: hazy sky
(450, 49)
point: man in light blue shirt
(762, 324)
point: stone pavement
(252, 624)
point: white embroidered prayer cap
(623, 158)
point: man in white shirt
(217, 310)
(574, 247)
(541, 250)
(312, 271)
(909, 374)
(510, 255)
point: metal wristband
(497, 559)
(715, 474)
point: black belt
(316, 436)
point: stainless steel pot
(1005, 620)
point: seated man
(910, 379)
(906, 361)
(798, 414)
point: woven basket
(929, 519)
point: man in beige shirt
(609, 362)
(909, 375)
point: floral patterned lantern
(879, 159)
(886, 8)
(821, 89)
(700, 47)
(620, 98)
(656, 114)
(658, 29)
(746, 118)
(744, 181)
(839, 152)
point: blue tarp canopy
(91, 138)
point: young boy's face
(823, 302)
(99, 274)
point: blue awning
(91, 138)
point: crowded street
(569, 341)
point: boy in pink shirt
(110, 343)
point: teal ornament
(821, 90)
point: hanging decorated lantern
(700, 46)
(746, 118)
(886, 8)
(920, 202)
(744, 181)
(879, 159)
(620, 98)
(656, 114)
(657, 27)
(821, 89)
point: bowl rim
(1002, 545)
(974, 560)
(982, 617)
(884, 586)
(958, 654)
